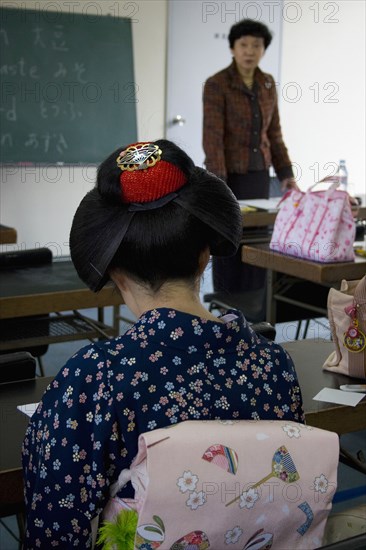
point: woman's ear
(118, 278)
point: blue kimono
(169, 367)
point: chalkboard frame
(68, 92)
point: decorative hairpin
(139, 157)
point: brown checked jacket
(227, 124)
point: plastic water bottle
(343, 175)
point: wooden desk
(308, 357)
(258, 218)
(359, 212)
(323, 274)
(49, 289)
(8, 235)
(13, 425)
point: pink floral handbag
(316, 226)
(248, 484)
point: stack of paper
(269, 205)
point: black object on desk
(16, 259)
(17, 366)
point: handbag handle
(332, 187)
(328, 192)
(356, 361)
(360, 292)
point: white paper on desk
(330, 395)
(28, 409)
(263, 204)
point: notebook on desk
(264, 205)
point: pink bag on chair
(316, 226)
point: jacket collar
(259, 76)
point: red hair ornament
(145, 176)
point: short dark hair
(161, 244)
(249, 27)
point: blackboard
(68, 93)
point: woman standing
(242, 134)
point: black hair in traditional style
(249, 27)
(155, 241)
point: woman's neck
(247, 76)
(178, 295)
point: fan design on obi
(283, 468)
(222, 456)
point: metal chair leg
(40, 364)
(21, 527)
(306, 328)
(299, 323)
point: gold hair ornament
(139, 157)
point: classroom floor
(351, 489)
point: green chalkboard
(68, 93)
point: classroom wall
(40, 202)
(323, 88)
(322, 104)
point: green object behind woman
(119, 533)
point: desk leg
(101, 315)
(116, 318)
(271, 304)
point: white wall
(40, 203)
(323, 87)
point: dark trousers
(230, 274)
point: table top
(13, 423)
(8, 235)
(47, 289)
(308, 356)
(261, 256)
(258, 218)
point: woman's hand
(289, 183)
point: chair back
(17, 366)
(248, 484)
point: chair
(249, 303)
(354, 543)
(14, 367)
(344, 525)
(221, 302)
(15, 327)
(203, 484)
(20, 365)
